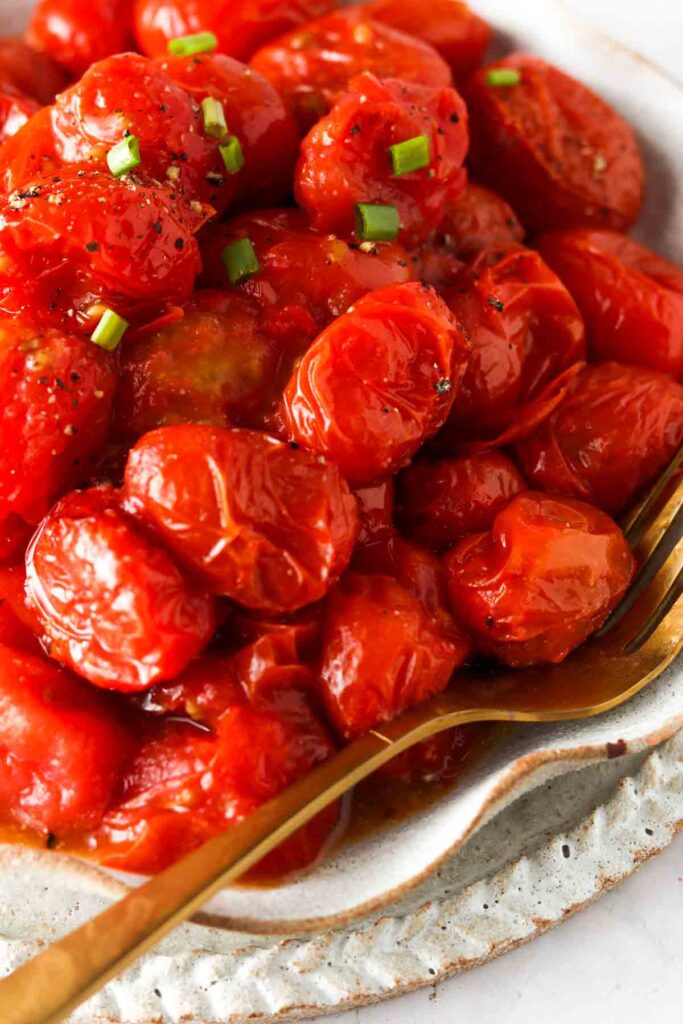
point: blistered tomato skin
(256, 520)
(241, 26)
(630, 297)
(76, 33)
(525, 330)
(376, 511)
(441, 501)
(615, 431)
(83, 239)
(377, 382)
(57, 393)
(345, 160)
(312, 66)
(557, 152)
(113, 605)
(543, 579)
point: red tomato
(32, 73)
(554, 149)
(18, 625)
(376, 511)
(57, 392)
(525, 331)
(14, 536)
(76, 33)
(114, 607)
(254, 112)
(543, 579)
(312, 66)
(15, 111)
(630, 297)
(344, 158)
(436, 760)
(240, 25)
(456, 32)
(29, 153)
(377, 382)
(615, 431)
(84, 238)
(382, 653)
(441, 501)
(62, 749)
(255, 519)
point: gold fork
(636, 644)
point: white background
(621, 960)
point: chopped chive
(214, 118)
(233, 156)
(240, 260)
(503, 76)
(411, 155)
(376, 223)
(124, 156)
(109, 330)
(187, 46)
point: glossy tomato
(28, 153)
(114, 606)
(377, 382)
(19, 627)
(615, 431)
(253, 518)
(631, 298)
(34, 74)
(15, 111)
(554, 149)
(76, 33)
(312, 66)
(345, 157)
(376, 512)
(541, 580)
(436, 760)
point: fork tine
(659, 615)
(636, 523)
(651, 605)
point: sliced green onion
(124, 156)
(187, 46)
(109, 330)
(411, 155)
(214, 118)
(503, 76)
(376, 223)
(240, 260)
(231, 151)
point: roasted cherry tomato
(312, 66)
(76, 33)
(615, 431)
(456, 32)
(554, 149)
(14, 536)
(436, 760)
(525, 330)
(441, 501)
(377, 382)
(32, 73)
(114, 606)
(382, 653)
(345, 157)
(254, 112)
(543, 579)
(84, 239)
(241, 26)
(29, 153)
(63, 749)
(15, 110)
(376, 511)
(630, 297)
(19, 627)
(57, 392)
(253, 518)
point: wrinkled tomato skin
(381, 654)
(344, 160)
(85, 239)
(436, 760)
(630, 297)
(543, 579)
(557, 152)
(456, 32)
(18, 626)
(76, 33)
(113, 606)
(29, 153)
(312, 66)
(254, 112)
(377, 382)
(57, 393)
(254, 519)
(613, 434)
(33, 74)
(63, 749)
(15, 111)
(517, 350)
(441, 501)
(241, 26)
(376, 512)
